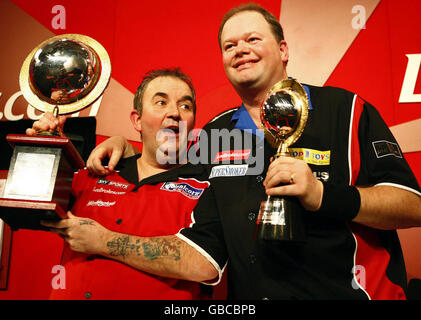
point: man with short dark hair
(110, 210)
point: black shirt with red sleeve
(345, 142)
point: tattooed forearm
(164, 248)
(122, 246)
(165, 256)
(152, 249)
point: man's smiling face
(251, 56)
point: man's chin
(171, 157)
(244, 80)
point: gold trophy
(63, 75)
(284, 116)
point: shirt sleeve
(382, 161)
(205, 233)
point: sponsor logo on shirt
(321, 175)
(113, 183)
(108, 191)
(229, 171)
(184, 188)
(385, 148)
(232, 155)
(100, 203)
(316, 157)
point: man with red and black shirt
(151, 194)
(340, 259)
(348, 174)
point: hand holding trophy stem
(56, 132)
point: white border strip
(205, 181)
(206, 255)
(349, 138)
(399, 186)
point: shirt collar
(245, 122)
(127, 169)
(306, 88)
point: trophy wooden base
(27, 214)
(39, 180)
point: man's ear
(135, 118)
(283, 47)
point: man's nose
(242, 48)
(173, 111)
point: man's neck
(147, 168)
(253, 98)
(252, 104)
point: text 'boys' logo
(184, 188)
(232, 155)
(316, 157)
(229, 171)
(113, 183)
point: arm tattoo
(152, 249)
(121, 246)
(84, 222)
(165, 248)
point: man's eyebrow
(248, 34)
(186, 98)
(160, 94)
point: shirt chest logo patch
(310, 156)
(386, 148)
(113, 183)
(232, 155)
(184, 188)
(229, 171)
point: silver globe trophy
(62, 75)
(284, 116)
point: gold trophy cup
(63, 75)
(284, 116)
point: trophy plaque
(62, 75)
(284, 116)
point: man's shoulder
(222, 120)
(329, 91)
(328, 97)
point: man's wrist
(107, 238)
(340, 201)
